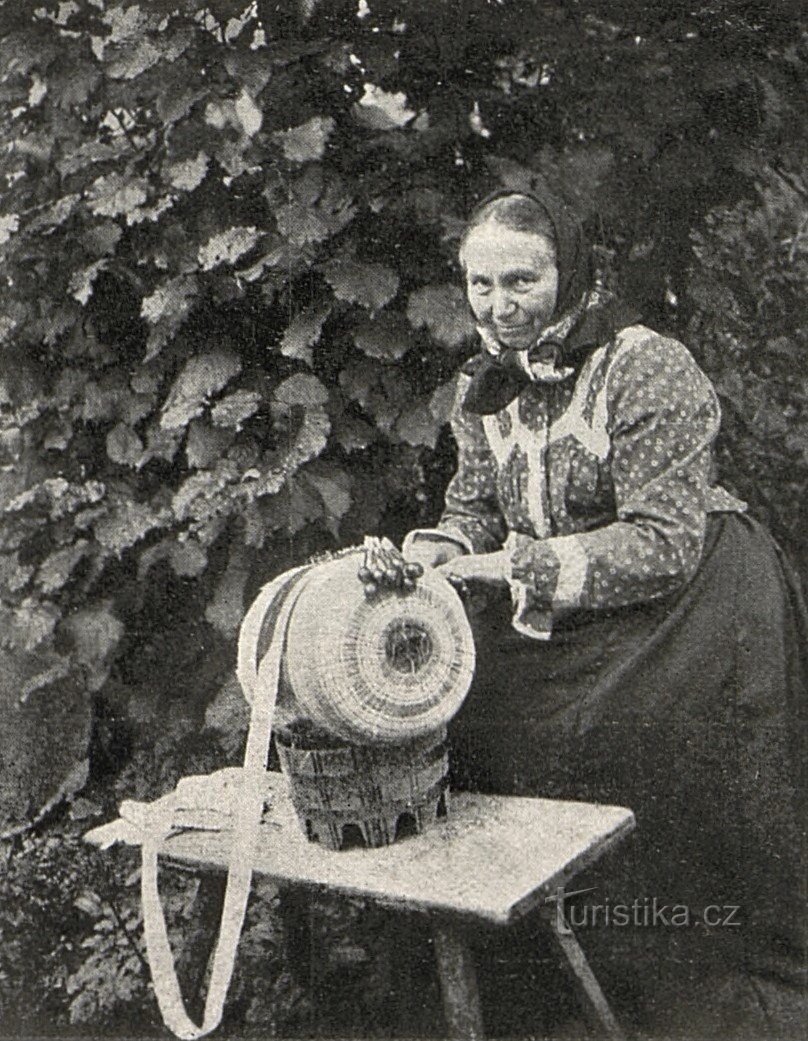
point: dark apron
(692, 712)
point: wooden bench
(494, 860)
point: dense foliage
(231, 312)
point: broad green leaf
(303, 332)
(334, 487)
(99, 401)
(56, 497)
(52, 326)
(114, 194)
(248, 114)
(54, 215)
(160, 444)
(94, 152)
(74, 84)
(310, 438)
(317, 210)
(249, 67)
(96, 634)
(336, 205)
(418, 426)
(80, 285)
(32, 623)
(256, 530)
(145, 380)
(37, 91)
(19, 53)
(352, 433)
(126, 22)
(9, 223)
(14, 576)
(235, 408)
(381, 392)
(359, 380)
(130, 60)
(226, 610)
(125, 524)
(178, 100)
(60, 670)
(385, 336)
(300, 223)
(202, 376)
(304, 143)
(137, 54)
(442, 400)
(187, 174)
(379, 109)
(229, 712)
(56, 570)
(227, 246)
(301, 389)
(170, 301)
(205, 486)
(166, 309)
(110, 398)
(124, 446)
(102, 238)
(284, 256)
(150, 556)
(205, 444)
(7, 327)
(444, 312)
(371, 285)
(304, 505)
(150, 213)
(188, 559)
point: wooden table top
(494, 858)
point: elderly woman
(642, 636)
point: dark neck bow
(497, 379)
(585, 316)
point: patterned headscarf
(586, 315)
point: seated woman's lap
(687, 712)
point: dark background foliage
(231, 317)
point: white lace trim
(519, 598)
(533, 447)
(594, 437)
(574, 565)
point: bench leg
(458, 983)
(595, 1004)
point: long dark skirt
(693, 713)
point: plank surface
(495, 858)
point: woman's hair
(514, 211)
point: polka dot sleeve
(471, 509)
(663, 417)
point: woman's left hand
(492, 568)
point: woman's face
(511, 282)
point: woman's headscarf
(585, 315)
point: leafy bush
(232, 317)
(747, 290)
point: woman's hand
(432, 552)
(491, 568)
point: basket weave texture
(385, 670)
(368, 792)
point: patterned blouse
(596, 486)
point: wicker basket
(390, 669)
(365, 688)
(365, 795)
